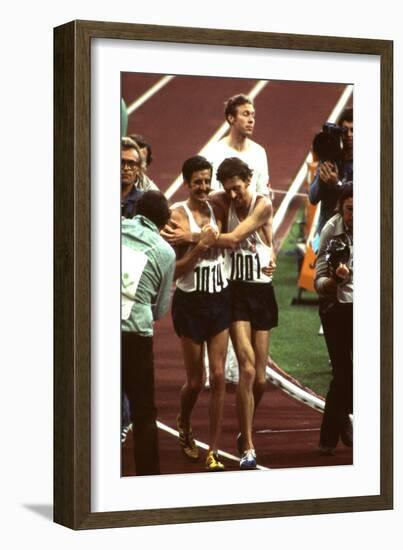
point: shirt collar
(132, 195)
(148, 223)
(340, 228)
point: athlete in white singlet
(208, 274)
(200, 308)
(245, 262)
(253, 304)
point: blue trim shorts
(254, 302)
(200, 315)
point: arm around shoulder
(262, 215)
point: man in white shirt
(240, 115)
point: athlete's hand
(208, 236)
(329, 173)
(175, 234)
(270, 269)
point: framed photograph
(170, 83)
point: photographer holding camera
(334, 284)
(334, 149)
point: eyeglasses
(131, 164)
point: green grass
(295, 344)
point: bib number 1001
(209, 275)
(242, 267)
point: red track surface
(178, 122)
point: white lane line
(295, 391)
(302, 172)
(292, 191)
(202, 445)
(284, 192)
(257, 88)
(149, 93)
(345, 96)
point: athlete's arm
(190, 258)
(220, 204)
(176, 233)
(261, 216)
(184, 257)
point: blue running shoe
(248, 460)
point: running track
(178, 121)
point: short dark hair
(345, 193)
(194, 164)
(346, 115)
(154, 206)
(231, 167)
(234, 102)
(142, 143)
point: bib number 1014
(242, 267)
(206, 276)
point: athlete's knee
(217, 378)
(195, 386)
(245, 358)
(247, 375)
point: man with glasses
(144, 182)
(130, 172)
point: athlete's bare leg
(260, 343)
(193, 359)
(217, 351)
(241, 335)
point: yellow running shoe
(187, 442)
(212, 463)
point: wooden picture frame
(72, 274)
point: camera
(327, 145)
(337, 252)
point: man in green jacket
(148, 264)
